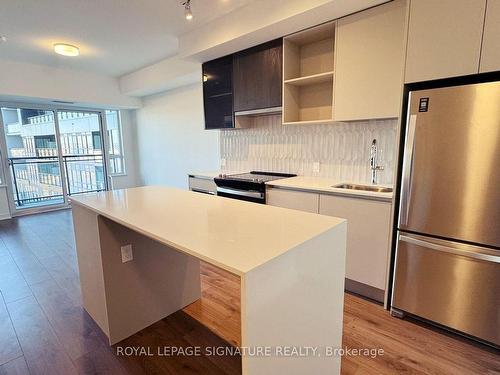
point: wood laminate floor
(44, 329)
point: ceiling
(115, 36)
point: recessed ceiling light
(66, 49)
(3, 39)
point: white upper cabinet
(369, 63)
(490, 53)
(444, 38)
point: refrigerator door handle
(407, 170)
(440, 245)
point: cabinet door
(257, 77)
(369, 63)
(444, 38)
(490, 52)
(368, 230)
(218, 93)
(296, 200)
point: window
(45, 142)
(113, 123)
(96, 140)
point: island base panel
(156, 283)
(88, 251)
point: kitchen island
(291, 265)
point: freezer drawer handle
(451, 250)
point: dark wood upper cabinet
(218, 93)
(245, 81)
(257, 76)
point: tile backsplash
(341, 149)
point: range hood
(260, 112)
(243, 119)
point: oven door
(244, 195)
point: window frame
(108, 141)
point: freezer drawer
(452, 284)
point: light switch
(316, 167)
(127, 254)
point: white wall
(171, 138)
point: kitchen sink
(377, 189)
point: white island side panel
(296, 300)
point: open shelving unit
(311, 79)
(308, 71)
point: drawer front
(202, 185)
(296, 200)
(459, 289)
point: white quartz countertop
(324, 185)
(235, 235)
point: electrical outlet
(127, 254)
(316, 167)
(222, 162)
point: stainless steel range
(247, 186)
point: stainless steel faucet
(373, 162)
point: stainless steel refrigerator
(447, 267)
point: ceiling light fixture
(187, 10)
(66, 49)
(3, 39)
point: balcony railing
(37, 179)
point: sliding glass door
(32, 157)
(81, 142)
(50, 155)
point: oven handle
(203, 191)
(243, 193)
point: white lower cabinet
(368, 231)
(296, 200)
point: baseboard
(364, 290)
(5, 217)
